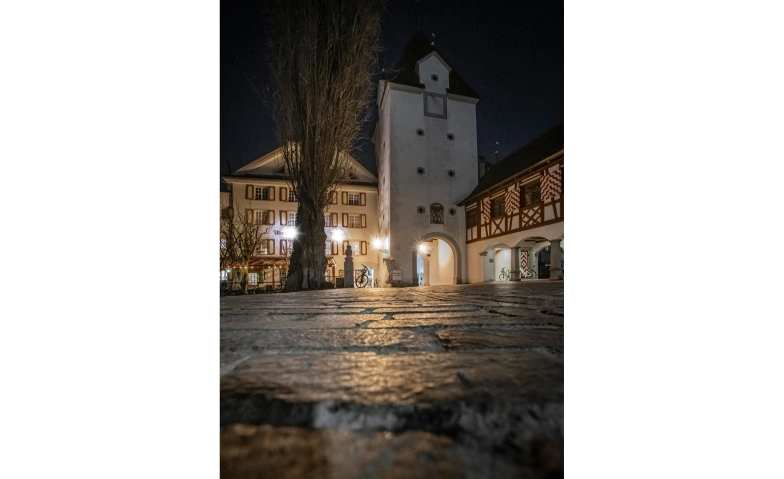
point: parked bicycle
(528, 274)
(362, 281)
(505, 275)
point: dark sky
(510, 52)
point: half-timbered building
(514, 218)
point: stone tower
(426, 153)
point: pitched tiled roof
(405, 71)
(532, 153)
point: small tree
(321, 55)
(241, 240)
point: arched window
(436, 214)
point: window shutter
(334, 219)
(363, 247)
(283, 247)
(271, 217)
(249, 216)
(334, 248)
(272, 246)
(284, 218)
(284, 195)
(362, 200)
(363, 221)
(334, 197)
(272, 193)
(345, 243)
(344, 198)
(345, 220)
(248, 192)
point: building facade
(426, 154)
(261, 193)
(515, 215)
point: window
(264, 247)
(497, 207)
(450, 136)
(354, 221)
(451, 173)
(331, 220)
(420, 171)
(285, 247)
(472, 218)
(435, 105)
(262, 193)
(530, 194)
(223, 243)
(292, 197)
(328, 248)
(265, 217)
(353, 199)
(292, 218)
(253, 279)
(357, 247)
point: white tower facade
(426, 151)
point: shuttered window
(354, 221)
(353, 199)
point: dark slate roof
(405, 71)
(537, 150)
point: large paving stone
(298, 340)
(265, 451)
(484, 338)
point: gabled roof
(269, 166)
(405, 72)
(544, 146)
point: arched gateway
(436, 260)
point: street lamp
(289, 233)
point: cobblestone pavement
(442, 381)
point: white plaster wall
(432, 65)
(442, 263)
(477, 265)
(402, 116)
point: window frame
(358, 223)
(260, 191)
(291, 218)
(496, 201)
(523, 193)
(350, 195)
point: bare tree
(322, 54)
(241, 240)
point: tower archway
(443, 263)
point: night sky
(510, 52)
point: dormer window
(435, 105)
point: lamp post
(289, 233)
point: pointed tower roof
(405, 72)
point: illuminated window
(354, 221)
(253, 279)
(292, 218)
(328, 248)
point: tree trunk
(308, 260)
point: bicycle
(528, 274)
(505, 275)
(362, 281)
